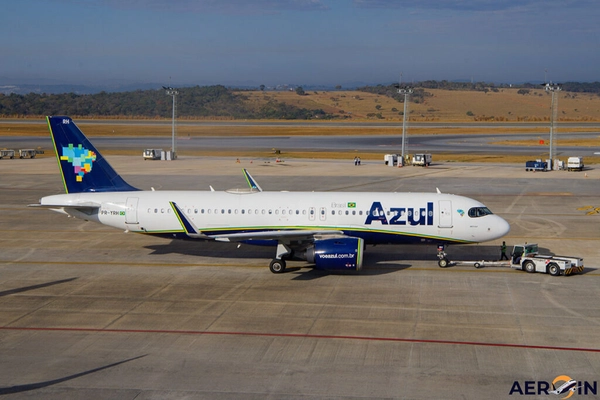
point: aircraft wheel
(477, 265)
(553, 269)
(443, 262)
(277, 266)
(529, 266)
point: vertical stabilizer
(82, 167)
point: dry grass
(445, 105)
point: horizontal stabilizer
(82, 205)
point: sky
(298, 42)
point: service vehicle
(391, 159)
(537, 165)
(152, 154)
(7, 153)
(423, 160)
(27, 153)
(524, 257)
(575, 164)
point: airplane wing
(283, 236)
(303, 235)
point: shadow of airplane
(378, 259)
(33, 287)
(40, 385)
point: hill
(369, 103)
(443, 105)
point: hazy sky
(298, 41)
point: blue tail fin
(82, 167)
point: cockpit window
(476, 212)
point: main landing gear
(277, 266)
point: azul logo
(562, 386)
(81, 159)
(401, 215)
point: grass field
(445, 105)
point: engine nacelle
(337, 254)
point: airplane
(327, 229)
(568, 386)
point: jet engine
(336, 254)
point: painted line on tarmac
(131, 264)
(302, 336)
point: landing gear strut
(277, 266)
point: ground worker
(503, 252)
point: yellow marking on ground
(550, 194)
(591, 210)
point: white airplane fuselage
(375, 217)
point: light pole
(553, 89)
(173, 92)
(406, 92)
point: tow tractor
(524, 257)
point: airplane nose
(502, 227)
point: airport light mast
(406, 91)
(553, 89)
(173, 92)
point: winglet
(251, 182)
(187, 225)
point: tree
(300, 91)
(262, 88)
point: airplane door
(131, 215)
(445, 214)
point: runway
(90, 312)
(436, 144)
